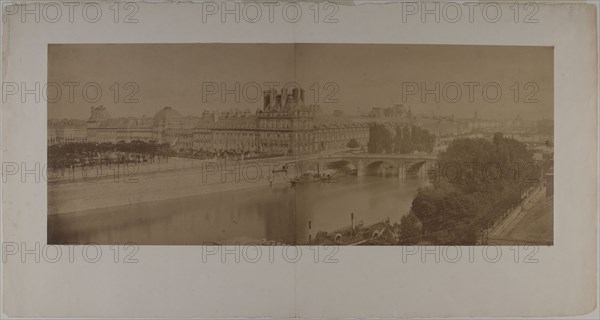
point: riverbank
(118, 190)
(94, 188)
(130, 171)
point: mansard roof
(124, 123)
(247, 121)
(66, 124)
(188, 122)
(204, 122)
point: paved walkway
(531, 225)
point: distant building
(285, 125)
(396, 111)
(66, 131)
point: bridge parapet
(365, 162)
(383, 156)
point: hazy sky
(348, 77)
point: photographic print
(300, 144)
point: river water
(279, 212)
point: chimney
(284, 96)
(273, 95)
(267, 99)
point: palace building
(66, 131)
(284, 125)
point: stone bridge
(373, 164)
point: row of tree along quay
(106, 153)
(82, 154)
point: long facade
(284, 125)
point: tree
(409, 139)
(447, 215)
(421, 139)
(461, 205)
(380, 139)
(498, 137)
(353, 144)
(410, 230)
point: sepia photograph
(298, 144)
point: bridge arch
(342, 164)
(381, 167)
(372, 164)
